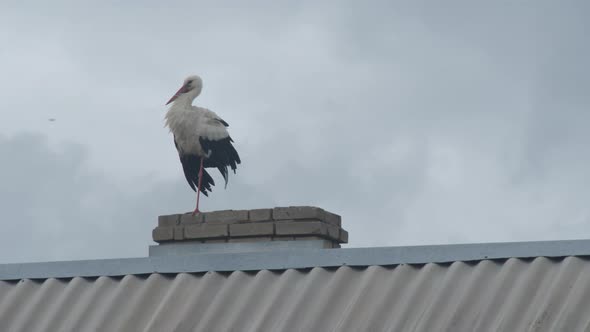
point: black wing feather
(222, 155)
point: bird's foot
(196, 212)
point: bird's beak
(180, 91)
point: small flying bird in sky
(201, 139)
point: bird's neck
(184, 101)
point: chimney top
(248, 230)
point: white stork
(201, 138)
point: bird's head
(191, 88)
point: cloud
(54, 207)
(418, 123)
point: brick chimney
(248, 230)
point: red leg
(199, 187)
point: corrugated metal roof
(540, 294)
(275, 259)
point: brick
(251, 239)
(188, 218)
(301, 228)
(333, 232)
(160, 234)
(178, 233)
(205, 231)
(251, 229)
(332, 218)
(297, 212)
(343, 236)
(260, 215)
(168, 220)
(226, 216)
(290, 221)
(306, 212)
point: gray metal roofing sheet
(540, 294)
(529, 286)
(298, 258)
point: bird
(201, 138)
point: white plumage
(190, 124)
(201, 138)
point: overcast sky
(418, 122)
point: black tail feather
(190, 165)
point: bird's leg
(199, 187)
